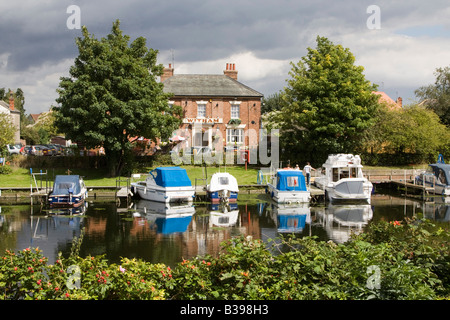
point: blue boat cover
(171, 177)
(172, 225)
(437, 167)
(63, 183)
(291, 180)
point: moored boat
(342, 179)
(68, 191)
(288, 186)
(437, 177)
(165, 184)
(222, 187)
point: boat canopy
(442, 172)
(223, 181)
(171, 177)
(291, 180)
(65, 184)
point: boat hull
(161, 194)
(435, 188)
(62, 201)
(217, 196)
(351, 189)
(288, 196)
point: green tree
(328, 104)
(272, 103)
(437, 96)
(412, 130)
(7, 130)
(113, 96)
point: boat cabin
(169, 177)
(342, 166)
(290, 180)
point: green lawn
(21, 177)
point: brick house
(216, 108)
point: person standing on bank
(307, 170)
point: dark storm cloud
(36, 41)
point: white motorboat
(342, 178)
(165, 184)
(222, 187)
(288, 186)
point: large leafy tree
(113, 95)
(328, 104)
(437, 96)
(413, 131)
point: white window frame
(203, 105)
(236, 113)
(231, 133)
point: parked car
(28, 150)
(51, 149)
(41, 150)
(13, 149)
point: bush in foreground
(389, 261)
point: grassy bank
(21, 177)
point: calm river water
(158, 234)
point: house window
(235, 135)
(201, 111)
(235, 112)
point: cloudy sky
(400, 51)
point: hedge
(401, 260)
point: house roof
(4, 104)
(384, 98)
(207, 85)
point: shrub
(394, 261)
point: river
(160, 234)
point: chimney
(167, 73)
(11, 100)
(231, 71)
(399, 102)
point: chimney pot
(167, 73)
(231, 71)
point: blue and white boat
(437, 176)
(288, 186)
(68, 191)
(165, 184)
(222, 187)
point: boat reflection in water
(340, 221)
(292, 218)
(438, 209)
(68, 211)
(222, 215)
(167, 217)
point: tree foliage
(413, 130)
(437, 96)
(328, 103)
(113, 96)
(7, 130)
